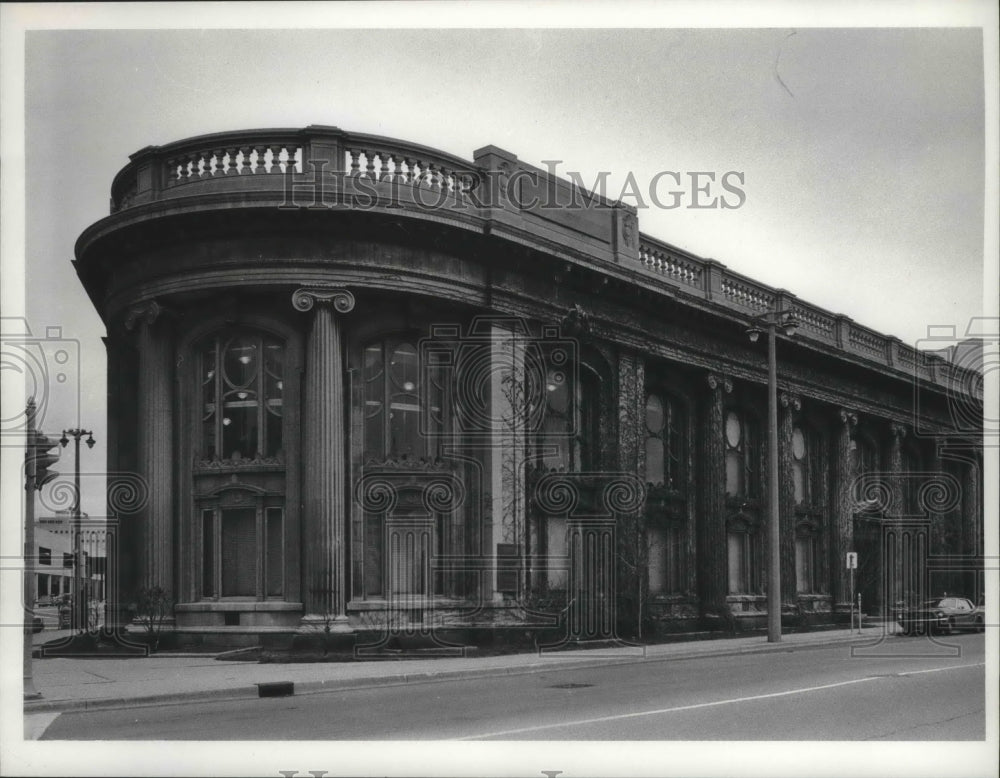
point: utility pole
(769, 322)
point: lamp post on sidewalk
(79, 614)
(769, 322)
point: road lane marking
(695, 706)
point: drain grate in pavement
(276, 689)
(571, 686)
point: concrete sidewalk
(79, 684)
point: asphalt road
(802, 694)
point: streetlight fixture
(769, 322)
(79, 612)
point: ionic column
(506, 455)
(935, 472)
(633, 546)
(972, 508)
(891, 587)
(843, 507)
(323, 495)
(713, 567)
(155, 442)
(788, 404)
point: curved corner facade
(376, 387)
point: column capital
(898, 430)
(304, 298)
(146, 312)
(716, 381)
(848, 417)
(789, 400)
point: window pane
(408, 561)
(239, 552)
(555, 442)
(672, 467)
(799, 482)
(750, 461)
(588, 434)
(798, 444)
(673, 559)
(208, 553)
(374, 404)
(803, 564)
(654, 415)
(274, 386)
(557, 389)
(654, 460)
(209, 379)
(557, 547)
(274, 553)
(734, 430)
(240, 399)
(657, 560)
(734, 473)
(404, 403)
(736, 543)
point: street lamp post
(79, 612)
(769, 323)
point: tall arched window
(807, 494)
(667, 495)
(403, 413)
(241, 390)
(742, 474)
(569, 440)
(742, 456)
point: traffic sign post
(852, 563)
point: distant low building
(375, 387)
(54, 555)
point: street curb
(559, 662)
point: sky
(862, 150)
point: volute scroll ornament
(305, 298)
(716, 381)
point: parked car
(942, 615)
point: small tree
(152, 605)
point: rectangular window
(208, 553)
(67, 560)
(274, 553)
(556, 549)
(805, 564)
(664, 560)
(739, 562)
(42, 585)
(408, 560)
(239, 552)
(44, 555)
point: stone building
(371, 385)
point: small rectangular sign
(852, 560)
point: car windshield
(935, 603)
